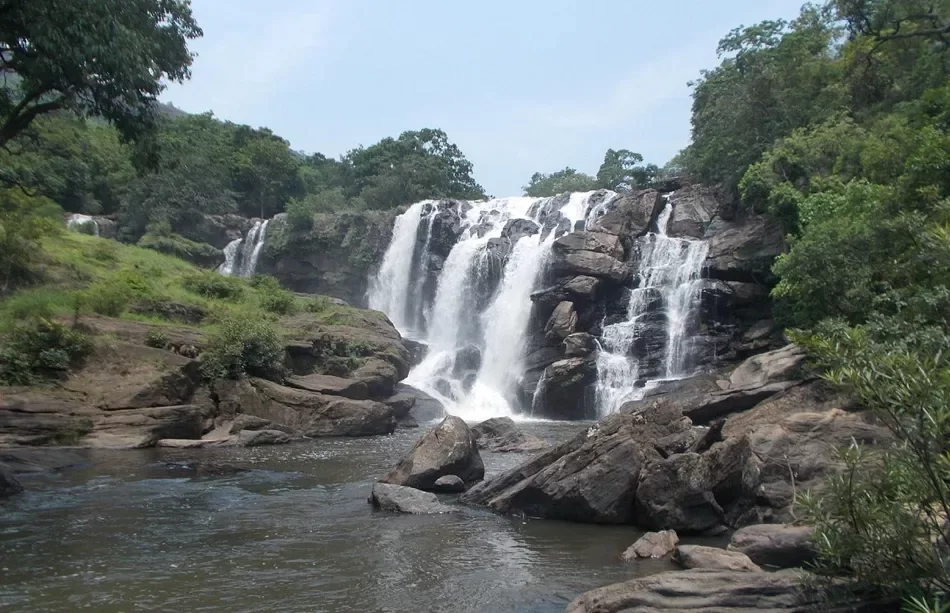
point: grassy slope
(75, 266)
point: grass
(92, 274)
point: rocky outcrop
(501, 435)
(562, 322)
(652, 545)
(706, 591)
(776, 545)
(217, 230)
(565, 389)
(743, 250)
(399, 499)
(313, 414)
(244, 438)
(630, 215)
(699, 556)
(579, 345)
(328, 384)
(694, 207)
(447, 449)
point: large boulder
(693, 208)
(718, 591)
(783, 364)
(313, 414)
(517, 229)
(699, 556)
(676, 493)
(588, 263)
(333, 386)
(447, 449)
(140, 428)
(579, 344)
(399, 499)
(565, 390)
(562, 322)
(630, 215)
(597, 242)
(776, 545)
(743, 250)
(501, 435)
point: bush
(243, 346)
(156, 338)
(274, 298)
(40, 348)
(24, 221)
(213, 285)
(318, 304)
(200, 254)
(107, 298)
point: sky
(521, 86)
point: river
(138, 531)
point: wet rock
(201, 468)
(399, 499)
(248, 422)
(447, 449)
(467, 359)
(579, 344)
(583, 287)
(776, 545)
(9, 484)
(597, 242)
(426, 408)
(565, 390)
(693, 208)
(588, 263)
(417, 351)
(333, 386)
(562, 322)
(140, 428)
(516, 229)
(630, 215)
(244, 438)
(705, 591)
(407, 423)
(255, 438)
(501, 435)
(449, 484)
(444, 387)
(698, 556)
(400, 403)
(652, 545)
(313, 414)
(676, 493)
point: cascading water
(476, 323)
(241, 255)
(77, 221)
(668, 284)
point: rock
(675, 493)
(9, 484)
(244, 438)
(719, 591)
(140, 428)
(562, 322)
(328, 384)
(417, 351)
(579, 344)
(517, 229)
(399, 499)
(248, 422)
(591, 478)
(775, 545)
(192, 468)
(652, 545)
(255, 438)
(598, 242)
(407, 422)
(693, 208)
(630, 215)
(588, 263)
(501, 435)
(565, 390)
(467, 359)
(698, 556)
(780, 365)
(705, 408)
(400, 403)
(447, 449)
(583, 287)
(426, 408)
(217, 230)
(449, 484)
(313, 414)
(170, 310)
(743, 250)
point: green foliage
(156, 338)
(201, 254)
(24, 222)
(339, 357)
(272, 297)
(107, 298)
(59, 56)
(300, 211)
(212, 285)
(568, 180)
(243, 346)
(40, 348)
(622, 170)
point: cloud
(247, 58)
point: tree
(622, 170)
(568, 180)
(265, 171)
(103, 58)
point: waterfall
(475, 325)
(241, 255)
(668, 285)
(77, 221)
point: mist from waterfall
(667, 283)
(481, 300)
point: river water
(138, 531)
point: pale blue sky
(520, 85)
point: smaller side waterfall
(241, 255)
(78, 221)
(390, 288)
(660, 311)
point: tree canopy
(621, 169)
(99, 58)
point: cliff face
(336, 258)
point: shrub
(107, 298)
(213, 285)
(319, 304)
(200, 254)
(243, 346)
(24, 221)
(105, 251)
(40, 348)
(156, 338)
(274, 298)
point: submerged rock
(447, 449)
(449, 484)
(400, 499)
(652, 545)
